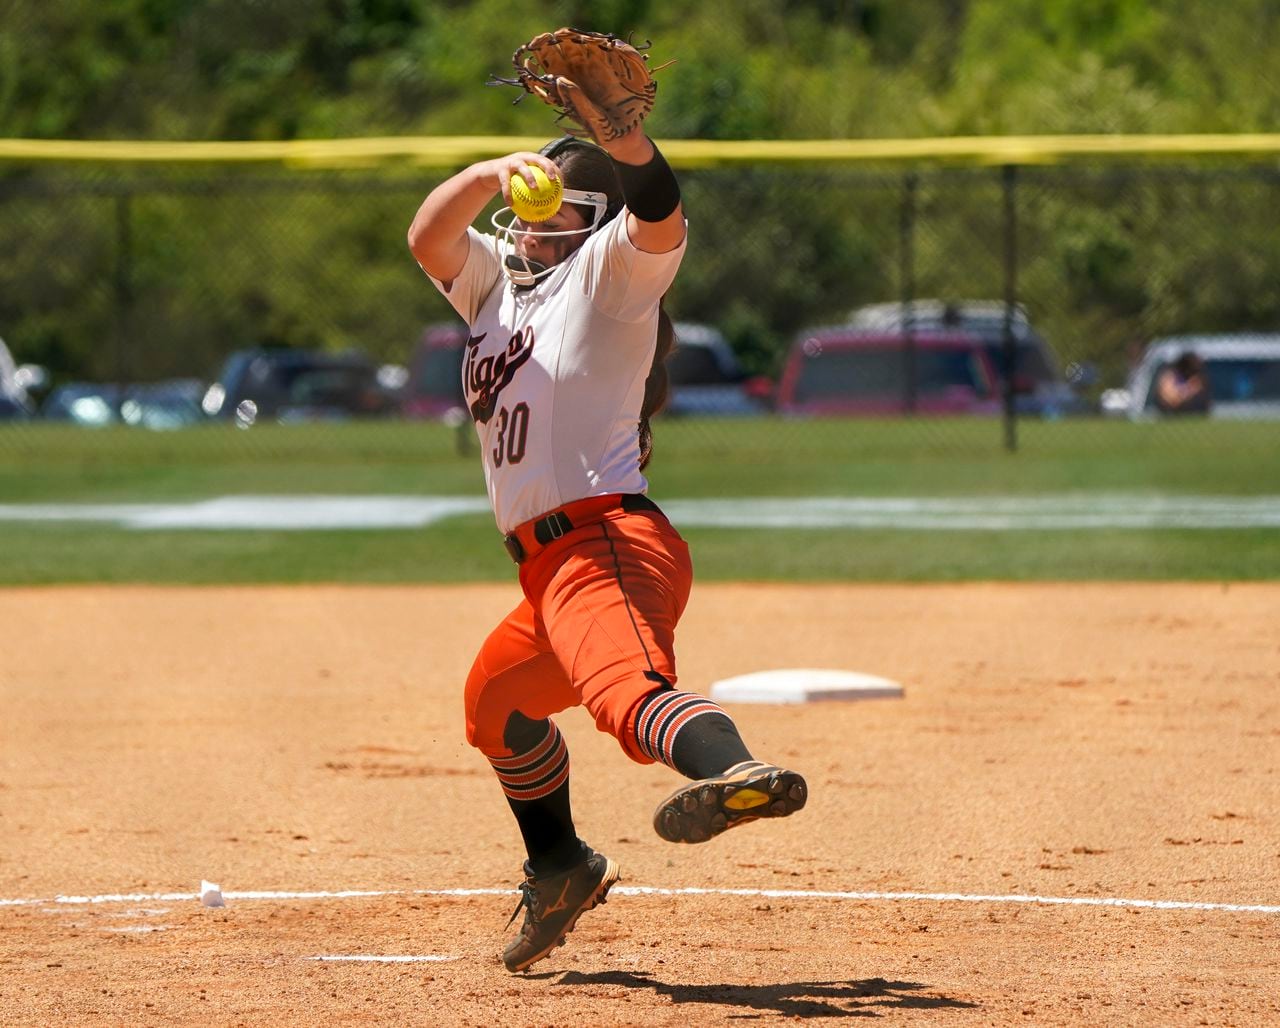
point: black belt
(550, 527)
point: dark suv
(297, 385)
(706, 378)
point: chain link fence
(1010, 295)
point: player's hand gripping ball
(539, 202)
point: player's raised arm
(656, 219)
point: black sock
(688, 732)
(535, 780)
(708, 746)
(547, 828)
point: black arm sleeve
(650, 189)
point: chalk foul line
(360, 958)
(645, 890)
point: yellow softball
(535, 203)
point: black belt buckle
(552, 527)
(514, 548)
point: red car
(843, 371)
(435, 372)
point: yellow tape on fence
(453, 151)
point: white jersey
(554, 375)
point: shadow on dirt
(869, 997)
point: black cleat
(746, 792)
(552, 905)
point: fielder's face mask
(523, 272)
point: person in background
(1182, 387)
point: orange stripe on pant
(600, 610)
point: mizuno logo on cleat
(560, 903)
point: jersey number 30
(512, 434)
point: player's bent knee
(493, 726)
(484, 726)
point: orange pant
(596, 627)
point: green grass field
(694, 460)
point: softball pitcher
(562, 372)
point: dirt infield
(1073, 816)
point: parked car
(706, 378)
(839, 370)
(434, 387)
(1041, 388)
(16, 383)
(174, 403)
(298, 385)
(1243, 372)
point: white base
(211, 895)
(803, 685)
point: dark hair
(589, 167)
(658, 385)
(1188, 363)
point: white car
(15, 380)
(1243, 370)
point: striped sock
(687, 732)
(536, 773)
